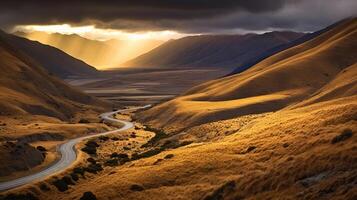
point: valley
(178, 105)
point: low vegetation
(346, 133)
(88, 196)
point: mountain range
(228, 51)
(100, 54)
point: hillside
(283, 129)
(53, 60)
(100, 54)
(227, 51)
(26, 88)
(297, 75)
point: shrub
(74, 176)
(119, 155)
(68, 180)
(147, 154)
(41, 148)
(159, 134)
(94, 168)
(168, 156)
(91, 160)
(115, 138)
(112, 162)
(83, 121)
(88, 196)
(136, 187)
(61, 185)
(347, 133)
(103, 138)
(92, 143)
(79, 170)
(44, 187)
(90, 150)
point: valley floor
(130, 87)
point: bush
(168, 156)
(41, 148)
(92, 143)
(159, 134)
(347, 133)
(115, 138)
(147, 154)
(68, 180)
(61, 185)
(103, 138)
(44, 187)
(119, 155)
(90, 150)
(112, 162)
(94, 168)
(88, 196)
(74, 176)
(84, 121)
(91, 160)
(136, 187)
(79, 170)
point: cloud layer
(187, 16)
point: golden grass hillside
(38, 107)
(310, 72)
(25, 88)
(302, 153)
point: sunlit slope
(310, 72)
(27, 89)
(287, 154)
(100, 54)
(52, 59)
(228, 51)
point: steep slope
(26, 88)
(52, 59)
(310, 72)
(212, 50)
(101, 54)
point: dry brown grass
(292, 157)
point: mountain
(283, 129)
(100, 54)
(212, 50)
(26, 88)
(304, 74)
(246, 65)
(53, 60)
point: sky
(167, 19)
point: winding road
(68, 152)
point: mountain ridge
(211, 50)
(52, 59)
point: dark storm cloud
(192, 16)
